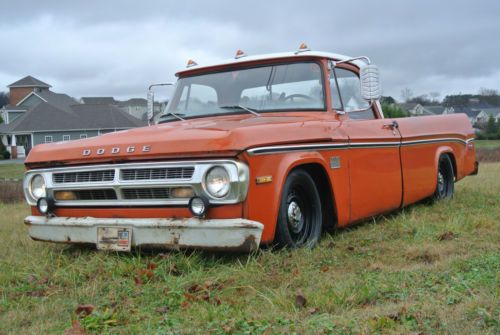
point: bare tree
(4, 99)
(487, 91)
(434, 96)
(406, 94)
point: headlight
(37, 187)
(217, 182)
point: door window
(346, 95)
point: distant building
(98, 101)
(485, 114)
(471, 113)
(415, 109)
(137, 107)
(37, 115)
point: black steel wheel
(299, 218)
(445, 179)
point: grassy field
(12, 171)
(430, 269)
(487, 144)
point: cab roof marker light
(240, 53)
(191, 63)
(302, 48)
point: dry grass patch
(11, 191)
(394, 275)
(488, 155)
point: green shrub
(393, 111)
(6, 154)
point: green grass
(11, 171)
(389, 276)
(487, 144)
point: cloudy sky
(119, 47)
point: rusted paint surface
(221, 235)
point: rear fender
(442, 150)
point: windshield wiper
(248, 109)
(176, 115)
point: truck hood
(208, 137)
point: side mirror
(151, 100)
(370, 82)
(151, 97)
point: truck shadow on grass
(226, 257)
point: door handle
(393, 125)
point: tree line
(4, 100)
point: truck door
(374, 150)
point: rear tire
(445, 179)
(300, 217)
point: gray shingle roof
(435, 109)
(29, 81)
(61, 112)
(14, 108)
(491, 111)
(59, 100)
(99, 100)
(408, 105)
(133, 102)
(466, 110)
(47, 117)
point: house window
(48, 139)
(66, 138)
(82, 136)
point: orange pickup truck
(256, 150)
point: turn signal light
(181, 192)
(65, 195)
(263, 179)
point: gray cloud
(119, 47)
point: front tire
(299, 218)
(445, 179)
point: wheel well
(322, 182)
(453, 163)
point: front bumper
(219, 234)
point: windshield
(294, 86)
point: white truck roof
(300, 54)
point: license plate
(114, 238)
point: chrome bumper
(220, 234)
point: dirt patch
(423, 256)
(488, 155)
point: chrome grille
(146, 193)
(157, 173)
(83, 177)
(106, 194)
(136, 183)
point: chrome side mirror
(369, 76)
(151, 97)
(151, 100)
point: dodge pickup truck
(255, 150)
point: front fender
(262, 202)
